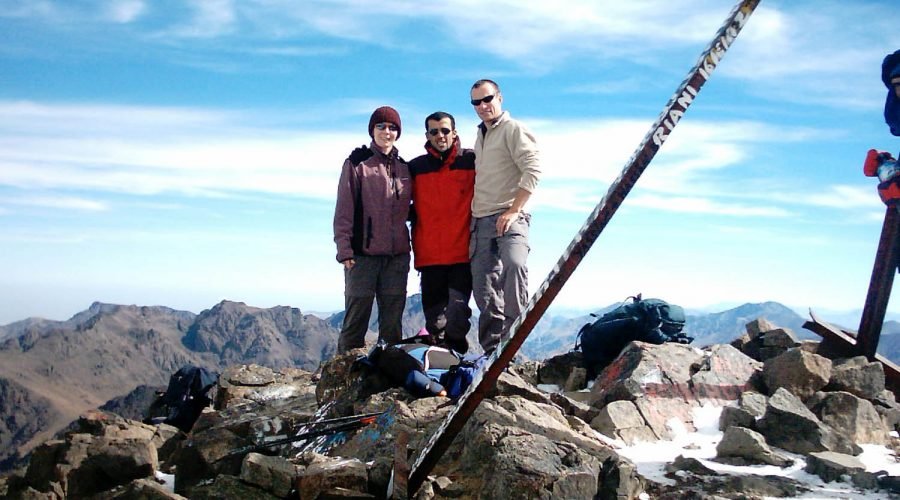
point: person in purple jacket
(371, 234)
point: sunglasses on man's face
(487, 98)
(389, 126)
(435, 131)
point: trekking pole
(342, 424)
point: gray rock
(622, 420)
(252, 375)
(830, 466)
(516, 445)
(530, 465)
(776, 342)
(790, 425)
(646, 370)
(205, 455)
(798, 371)
(691, 465)
(574, 407)
(851, 416)
(723, 374)
(857, 376)
(749, 445)
(350, 474)
(557, 369)
(111, 462)
(577, 380)
(742, 343)
(102, 451)
(139, 489)
(225, 487)
(510, 384)
(733, 416)
(670, 380)
(753, 402)
(529, 371)
(273, 474)
(758, 326)
(780, 337)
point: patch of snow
(166, 480)
(551, 388)
(283, 391)
(650, 458)
(879, 458)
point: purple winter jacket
(372, 206)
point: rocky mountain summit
(542, 433)
(53, 371)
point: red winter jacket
(442, 201)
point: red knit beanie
(384, 114)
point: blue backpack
(459, 377)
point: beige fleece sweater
(506, 159)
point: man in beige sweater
(507, 167)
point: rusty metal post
(879, 286)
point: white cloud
(125, 11)
(209, 19)
(705, 206)
(214, 153)
(34, 9)
(841, 196)
(58, 202)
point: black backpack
(186, 396)
(647, 320)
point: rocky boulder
(558, 369)
(831, 466)
(246, 383)
(102, 452)
(670, 380)
(853, 417)
(857, 376)
(801, 373)
(789, 424)
(742, 446)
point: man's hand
(505, 220)
(348, 264)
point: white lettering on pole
(707, 66)
(659, 136)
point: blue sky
(181, 153)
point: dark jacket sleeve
(344, 210)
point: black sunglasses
(435, 131)
(487, 98)
(382, 126)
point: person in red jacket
(371, 234)
(443, 186)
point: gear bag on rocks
(424, 370)
(185, 397)
(647, 320)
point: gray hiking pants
(499, 276)
(378, 277)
